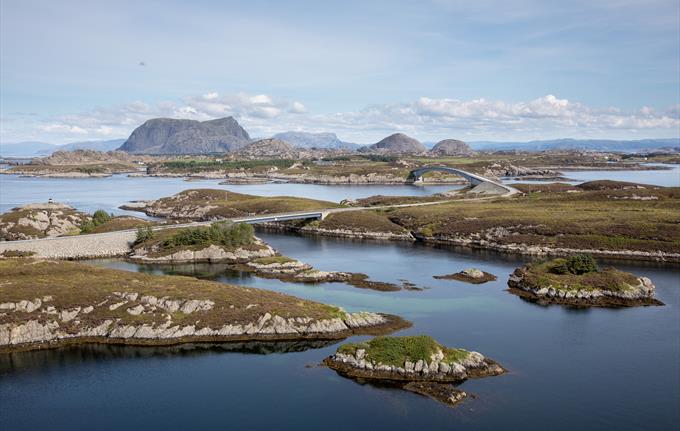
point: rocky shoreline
(433, 376)
(469, 275)
(629, 295)
(78, 303)
(477, 242)
(36, 335)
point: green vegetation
(576, 264)
(86, 168)
(268, 260)
(215, 165)
(547, 274)
(395, 350)
(144, 234)
(98, 218)
(361, 221)
(224, 234)
(120, 223)
(75, 284)
(610, 219)
(227, 204)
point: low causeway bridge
(118, 243)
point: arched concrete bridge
(480, 184)
(118, 243)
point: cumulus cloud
(426, 118)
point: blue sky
(81, 70)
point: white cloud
(297, 108)
(426, 118)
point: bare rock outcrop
(40, 221)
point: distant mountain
(315, 140)
(109, 145)
(171, 136)
(451, 147)
(397, 143)
(26, 149)
(640, 145)
(269, 148)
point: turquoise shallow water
(583, 369)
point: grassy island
(47, 303)
(578, 280)
(414, 363)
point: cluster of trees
(202, 165)
(224, 234)
(577, 264)
(98, 218)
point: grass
(74, 284)
(268, 260)
(591, 219)
(544, 274)
(396, 350)
(95, 168)
(226, 204)
(361, 221)
(120, 223)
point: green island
(235, 243)
(416, 363)
(600, 217)
(48, 303)
(579, 281)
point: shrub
(144, 234)
(576, 264)
(98, 218)
(101, 217)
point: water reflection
(83, 353)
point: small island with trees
(579, 281)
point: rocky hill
(315, 140)
(270, 149)
(81, 157)
(397, 143)
(40, 221)
(451, 147)
(171, 136)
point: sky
(483, 70)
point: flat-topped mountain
(451, 147)
(314, 140)
(171, 136)
(398, 143)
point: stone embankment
(76, 247)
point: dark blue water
(596, 369)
